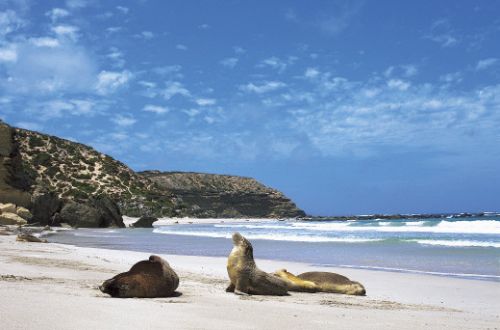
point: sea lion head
(110, 287)
(154, 258)
(242, 243)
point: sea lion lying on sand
(245, 277)
(146, 279)
(334, 283)
(296, 284)
(23, 237)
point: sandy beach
(53, 286)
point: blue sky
(348, 107)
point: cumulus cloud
(124, 120)
(122, 9)
(8, 54)
(486, 63)
(66, 31)
(205, 102)
(273, 62)
(57, 13)
(265, 87)
(110, 81)
(45, 42)
(398, 84)
(59, 108)
(159, 110)
(311, 73)
(40, 68)
(174, 88)
(229, 62)
(10, 22)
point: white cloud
(264, 87)
(124, 120)
(76, 4)
(59, 108)
(192, 112)
(398, 84)
(454, 77)
(116, 56)
(8, 54)
(486, 63)
(445, 40)
(109, 81)
(122, 9)
(49, 69)
(205, 102)
(273, 62)
(204, 26)
(114, 29)
(311, 73)
(442, 33)
(155, 109)
(181, 47)
(239, 50)
(407, 70)
(64, 31)
(57, 13)
(10, 22)
(175, 88)
(168, 70)
(147, 35)
(229, 62)
(45, 42)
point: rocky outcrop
(145, 222)
(45, 206)
(60, 181)
(10, 214)
(99, 212)
(14, 180)
(223, 196)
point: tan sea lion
(334, 283)
(296, 284)
(30, 238)
(244, 275)
(146, 279)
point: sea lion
(296, 284)
(146, 279)
(334, 283)
(244, 275)
(29, 238)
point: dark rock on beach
(98, 213)
(145, 222)
(45, 206)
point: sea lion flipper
(242, 285)
(230, 288)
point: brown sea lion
(294, 283)
(146, 279)
(244, 275)
(334, 283)
(29, 238)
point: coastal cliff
(222, 196)
(59, 180)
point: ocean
(466, 248)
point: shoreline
(51, 281)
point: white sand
(53, 286)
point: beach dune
(53, 286)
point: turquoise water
(468, 248)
